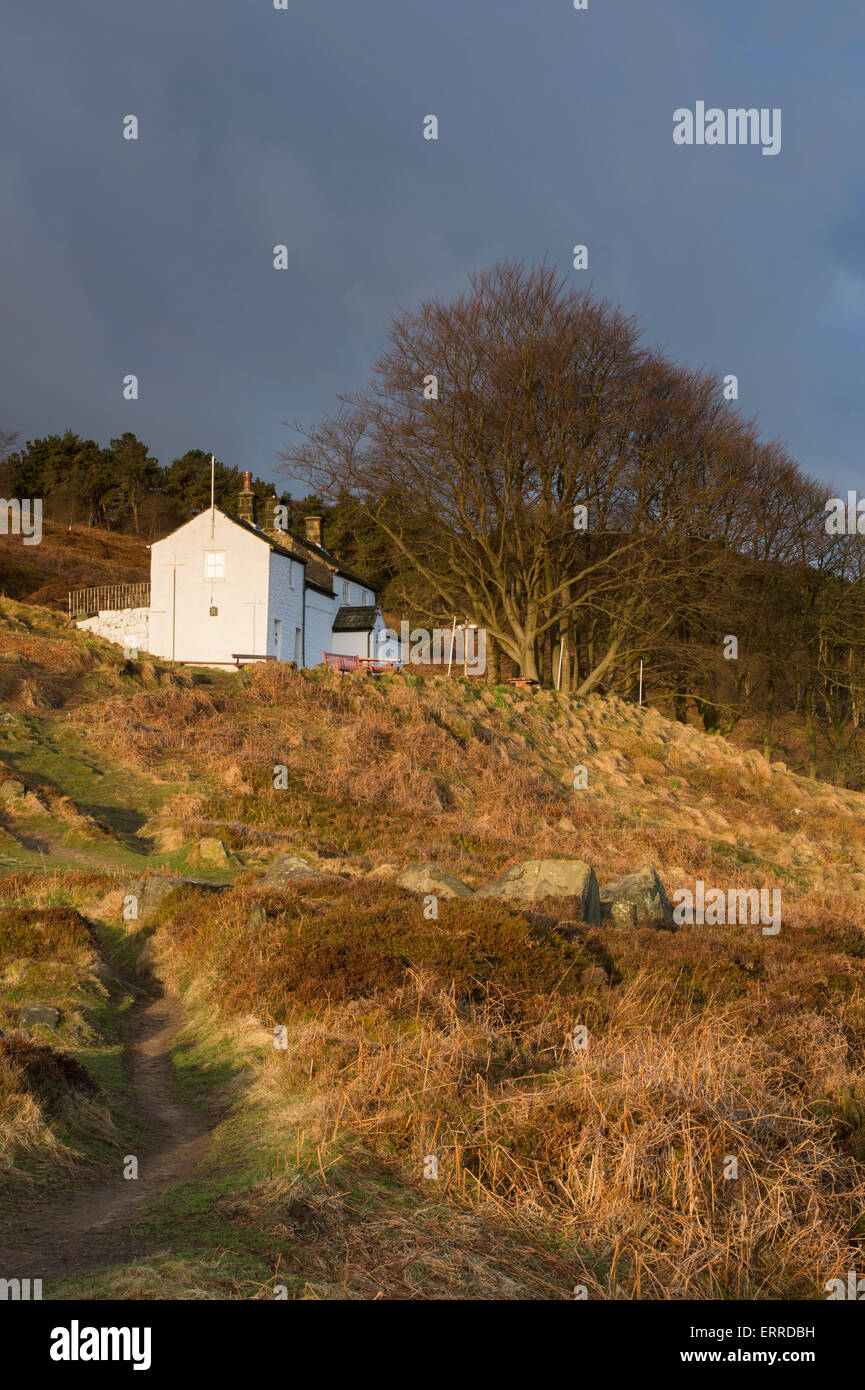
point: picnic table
(371, 664)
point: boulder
(535, 879)
(636, 900)
(11, 789)
(429, 878)
(286, 867)
(211, 851)
(151, 890)
(35, 1014)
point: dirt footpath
(86, 1226)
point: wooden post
(174, 565)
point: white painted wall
(198, 637)
(253, 574)
(357, 594)
(130, 627)
(320, 613)
(391, 649)
(285, 604)
(359, 643)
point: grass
(409, 1038)
(715, 1045)
(271, 1215)
(63, 1091)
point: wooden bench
(341, 663)
(238, 657)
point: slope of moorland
(708, 1141)
(69, 557)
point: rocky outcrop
(636, 900)
(151, 890)
(429, 878)
(211, 851)
(36, 1015)
(287, 867)
(535, 879)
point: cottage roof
(320, 565)
(354, 619)
(267, 537)
(322, 559)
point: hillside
(408, 1036)
(69, 557)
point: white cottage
(225, 588)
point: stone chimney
(313, 530)
(246, 501)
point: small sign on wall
(214, 612)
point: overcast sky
(304, 127)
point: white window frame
(214, 578)
(346, 591)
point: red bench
(341, 663)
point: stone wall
(128, 627)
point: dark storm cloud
(303, 127)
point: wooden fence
(85, 603)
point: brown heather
(407, 1037)
(453, 1038)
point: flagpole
(212, 511)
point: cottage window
(345, 591)
(214, 565)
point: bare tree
(7, 442)
(491, 421)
